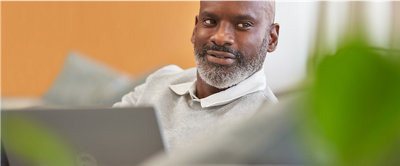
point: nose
(224, 35)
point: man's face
(230, 41)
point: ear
(194, 29)
(273, 37)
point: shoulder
(255, 98)
(157, 83)
(172, 74)
(168, 70)
(270, 96)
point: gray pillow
(85, 82)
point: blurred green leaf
(354, 110)
(34, 143)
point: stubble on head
(221, 76)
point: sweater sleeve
(131, 98)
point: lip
(221, 54)
(220, 57)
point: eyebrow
(244, 17)
(238, 17)
(208, 14)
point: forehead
(254, 9)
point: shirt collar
(254, 83)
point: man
(231, 40)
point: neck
(203, 89)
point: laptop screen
(106, 136)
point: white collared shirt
(254, 83)
(183, 115)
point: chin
(220, 78)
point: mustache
(237, 54)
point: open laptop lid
(90, 137)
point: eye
(209, 22)
(245, 25)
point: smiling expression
(230, 40)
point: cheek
(202, 36)
(249, 45)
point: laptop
(80, 137)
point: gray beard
(221, 76)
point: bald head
(231, 40)
(266, 6)
(270, 10)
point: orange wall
(129, 36)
